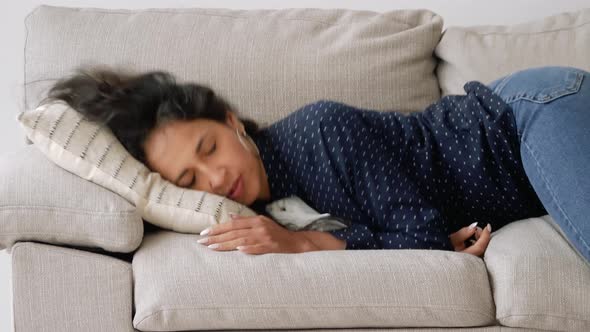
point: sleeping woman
(514, 149)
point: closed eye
(192, 183)
(210, 152)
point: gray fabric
(266, 62)
(183, 285)
(39, 201)
(538, 280)
(485, 53)
(294, 214)
(62, 289)
(277, 61)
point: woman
(519, 148)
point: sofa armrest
(41, 202)
(538, 279)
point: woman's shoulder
(322, 111)
(323, 107)
(310, 114)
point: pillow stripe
(198, 209)
(161, 193)
(120, 166)
(104, 154)
(52, 131)
(72, 133)
(180, 199)
(218, 209)
(92, 137)
(42, 110)
(134, 181)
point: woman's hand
(255, 235)
(479, 246)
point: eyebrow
(197, 150)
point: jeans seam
(553, 197)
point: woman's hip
(547, 97)
(551, 107)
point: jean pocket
(541, 85)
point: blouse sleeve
(359, 236)
(376, 156)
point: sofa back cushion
(485, 53)
(267, 63)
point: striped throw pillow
(92, 152)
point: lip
(236, 189)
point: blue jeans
(552, 111)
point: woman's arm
(261, 235)
(321, 241)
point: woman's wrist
(316, 240)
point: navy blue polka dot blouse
(403, 181)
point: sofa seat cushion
(183, 285)
(538, 279)
(63, 289)
(42, 202)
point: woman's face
(220, 161)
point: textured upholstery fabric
(183, 285)
(267, 67)
(92, 152)
(538, 280)
(40, 201)
(62, 289)
(486, 53)
(266, 62)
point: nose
(216, 177)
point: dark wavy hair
(132, 105)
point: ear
(232, 120)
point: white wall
(12, 34)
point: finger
(238, 223)
(256, 249)
(480, 246)
(478, 233)
(461, 235)
(224, 237)
(230, 245)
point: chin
(248, 201)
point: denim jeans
(552, 111)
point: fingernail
(201, 241)
(489, 227)
(205, 231)
(214, 246)
(240, 247)
(472, 225)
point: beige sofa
(84, 260)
